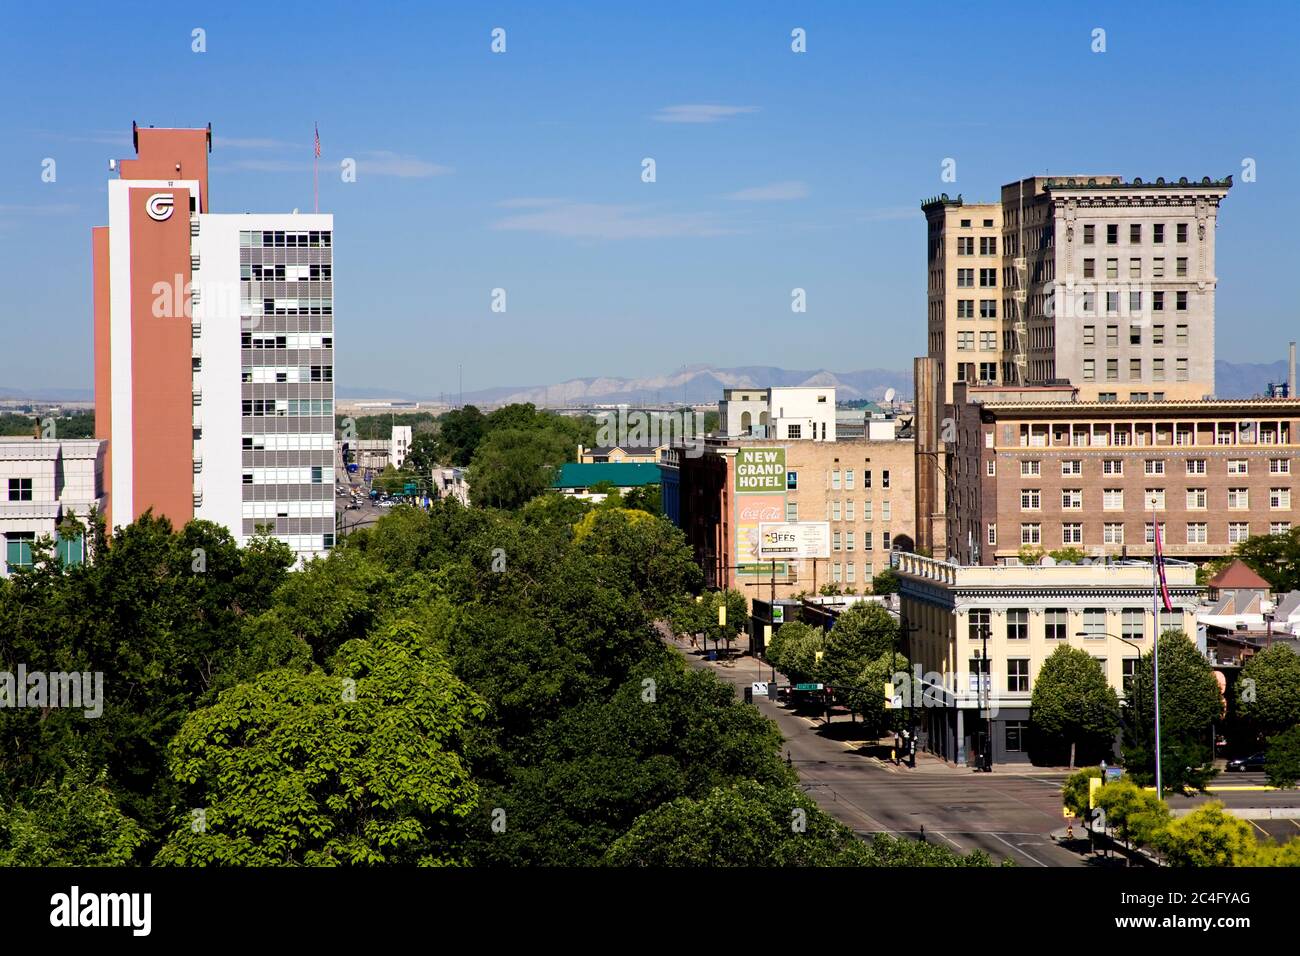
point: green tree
(1268, 691)
(1075, 790)
(75, 822)
(1072, 555)
(886, 582)
(459, 433)
(1139, 816)
(513, 465)
(1274, 557)
(1282, 758)
(1208, 836)
(1073, 710)
(860, 636)
(1190, 703)
(866, 695)
(358, 766)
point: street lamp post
(986, 675)
(1138, 702)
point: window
(1196, 466)
(1056, 620)
(1279, 498)
(866, 510)
(18, 549)
(848, 479)
(1196, 532)
(965, 245)
(1135, 369)
(1017, 675)
(1089, 336)
(1279, 466)
(1031, 468)
(1112, 499)
(1112, 307)
(792, 480)
(835, 480)
(20, 489)
(1029, 499)
(965, 341)
(1089, 268)
(965, 278)
(1158, 369)
(1180, 338)
(1157, 335)
(1094, 623)
(1089, 370)
(1133, 624)
(1158, 233)
(978, 622)
(1279, 527)
(835, 511)
(1071, 499)
(1072, 532)
(848, 541)
(1135, 307)
(979, 667)
(866, 541)
(965, 308)
(1112, 268)
(1181, 232)
(848, 510)
(885, 539)
(1135, 232)
(988, 245)
(884, 482)
(1018, 624)
(1157, 301)
(1112, 466)
(988, 308)
(1238, 466)
(1180, 301)
(1112, 532)
(1112, 370)
(1017, 736)
(1155, 466)
(1112, 234)
(988, 278)
(1151, 532)
(1158, 268)
(1135, 335)
(1072, 466)
(1154, 498)
(1089, 235)
(793, 431)
(884, 511)
(1238, 531)
(1128, 669)
(1239, 498)
(1197, 499)
(792, 511)
(1180, 267)
(992, 535)
(835, 541)
(1031, 533)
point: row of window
(1197, 532)
(1018, 683)
(313, 475)
(966, 245)
(1033, 467)
(847, 541)
(988, 278)
(259, 239)
(281, 407)
(288, 509)
(1056, 621)
(1134, 233)
(281, 272)
(1086, 302)
(1134, 335)
(1135, 268)
(299, 374)
(287, 306)
(287, 340)
(1181, 370)
(18, 549)
(849, 511)
(966, 308)
(290, 441)
(849, 478)
(1112, 499)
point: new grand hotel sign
(760, 499)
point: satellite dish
(889, 395)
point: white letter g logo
(159, 206)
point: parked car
(1243, 764)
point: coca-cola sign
(760, 512)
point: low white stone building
(42, 481)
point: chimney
(1290, 382)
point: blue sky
(522, 170)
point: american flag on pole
(1160, 566)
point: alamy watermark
(639, 429)
(82, 690)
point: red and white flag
(317, 128)
(1160, 567)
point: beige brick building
(1105, 284)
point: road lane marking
(1018, 850)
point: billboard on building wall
(760, 483)
(760, 471)
(794, 540)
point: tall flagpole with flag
(315, 171)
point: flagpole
(1155, 622)
(315, 173)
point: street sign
(808, 686)
(760, 688)
(778, 613)
(1114, 773)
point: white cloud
(700, 113)
(791, 189)
(573, 220)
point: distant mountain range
(694, 384)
